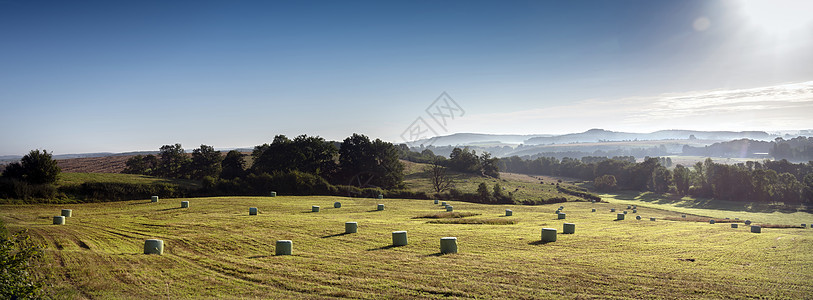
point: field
(215, 249)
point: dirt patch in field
(106, 164)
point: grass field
(215, 249)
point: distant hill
(462, 139)
(601, 135)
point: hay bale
(625, 212)
(734, 225)
(252, 211)
(620, 217)
(561, 207)
(804, 225)
(612, 209)
(380, 207)
(652, 219)
(154, 246)
(756, 229)
(380, 196)
(594, 210)
(284, 247)
(59, 220)
(509, 212)
(443, 203)
(737, 219)
(569, 228)
(337, 204)
(747, 222)
(448, 245)
(184, 204)
(682, 216)
(635, 207)
(314, 208)
(273, 194)
(637, 217)
(629, 206)
(436, 201)
(67, 213)
(548, 235)
(449, 208)
(560, 216)
(351, 227)
(592, 201)
(399, 238)
(711, 221)
(635, 211)
(154, 198)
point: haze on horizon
(102, 76)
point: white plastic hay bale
(569, 228)
(635, 207)
(351, 227)
(635, 211)
(548, 235)
(637, 217)
(67, 213)
(314, 208)
(59, 220)
(449, 208)
(154, 198)
(592, 201)
(558, 211)
(756, 229)
(625, 212)
(682, 216)
(184, 204)
(804, 225)
(561, 216)
(734, 225)
(154, 246)
(436, 201)
(337, 205)
(284, 247)
(711, 221)
(620, 217)
(612, 209)
(379, 207)
(273, 194)
(652, 219)
(448, 245)
(594, 210)
(747, 222)
(561, 207)
(380, 196)
(629, 206)
(252, 211)
(399, 238)
(509, 212)
(737, 219)
(443, 203)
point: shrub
(18, 255)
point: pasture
(216, 249)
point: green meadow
(215, 249)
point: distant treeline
(799, 149)
(769, 181)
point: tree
(680, 175)
(807, 189)
(605, 183)
(18, 256)
(139, 164)
(483, 193)
(489, 165)
(307, 154)
(206, 162)
(173, 162)
(437, 174)
(464, 160)
(233, 166)
(661, 179)
(35, 167)
(370, 163)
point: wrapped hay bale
(154, 246)
(448, 245)
(284, 247)
(399, 238)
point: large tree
(206, 162)
(35, 167)
(173, 162)
(441, 181)
(233, 166)
(370, 163)
(307, 154)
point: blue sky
(93, 76)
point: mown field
(214, 249)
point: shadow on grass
(539, 242)
(384, 248)
(703, 203)
(260, 256)
(335, 235)
(171, 208)
(374, 210)
(437, 254)
(139, 203)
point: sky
(119, 76)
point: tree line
(768, 181)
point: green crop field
(214, 249)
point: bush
(16, 189)
(119, 191)
(18, 255)
(580, 194)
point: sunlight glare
(778, 16)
